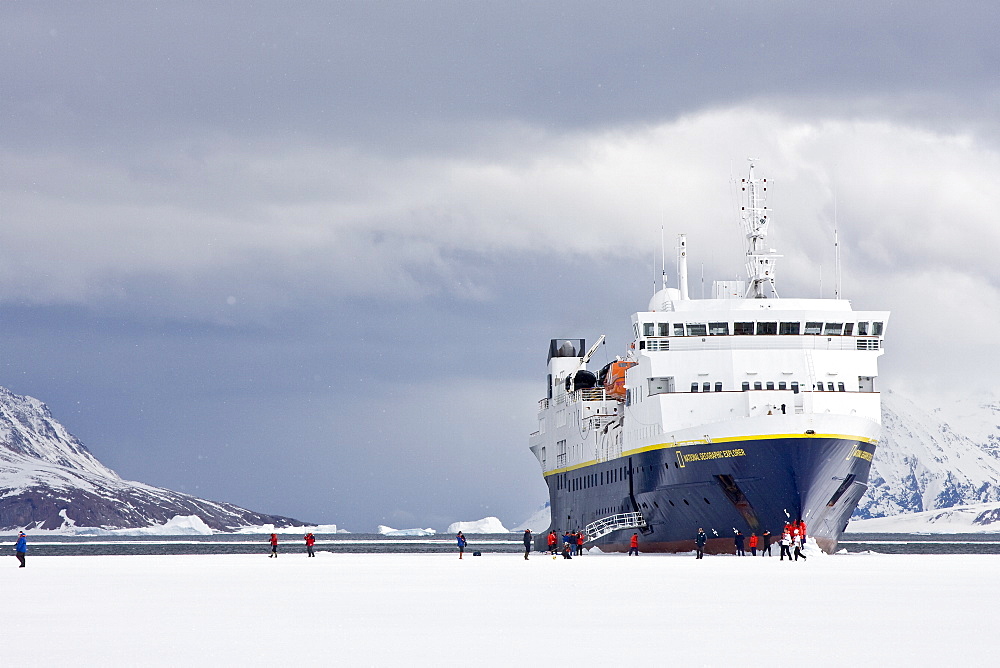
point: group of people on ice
(309, 538)
(792, 542)
(572, 543)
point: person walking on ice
(633, 546)
(21, 547)
(786, 541)
(274, 546)
(460, 539)
(527, 543)
(310, 541)
(699, 543)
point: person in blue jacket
(21, 547)
(460, 539)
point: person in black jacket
(765, 545)
(527, 543)
(699, 542)
(738, 540)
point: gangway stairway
(606, 525)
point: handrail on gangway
(606, 525)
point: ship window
(642, 345)
(876, 329)
(678, 329)
(697, 329)
(686, 502)
(718, 328)
(663, 328)
(757, 385)
(742, 328)
(661, 385)
(770, 384)
(706, 387)
(814, 327)
(647, 329)
(718, 386)
(862, 329)
(848, 329)
(694, 387)
(819, 386)
(706, 500)
(829, 386)
(671, 502)
(791, 328)
(782, 385)
(767, 328)
(840, 387)
(795, 387)
(746, 385)
(834, 329)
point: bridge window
(834, 329)
(840, 386)
(718, 329)
(876, 329)
(790, 328)
(742, 328)
(697, 329)
(848, 329)
(767, 328)
(678, 329)
(718, 386)
(819, 386)
(647, 329)
(746, 386)
(862, 329)
(814, 327)
(663, 328)
(829, 386)
(661, 385)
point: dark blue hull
(752, 485)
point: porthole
(671, 502)
(686, 502)
(707, 501)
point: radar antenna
(760, 258)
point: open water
(41, 545)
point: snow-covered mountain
(934, 458)
(48, 480)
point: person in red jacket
(633, 546)
(310, 541)
(274, 546)
(802, 532)
(552, 542)
(579, 543)
(753, 544)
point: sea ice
(433, 609)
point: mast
(760, 258)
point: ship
(739, 412)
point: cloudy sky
(306, 257)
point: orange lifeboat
(614, 378)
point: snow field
(432, 609)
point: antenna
(836, 247)
(682, 265)
(663, 261)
